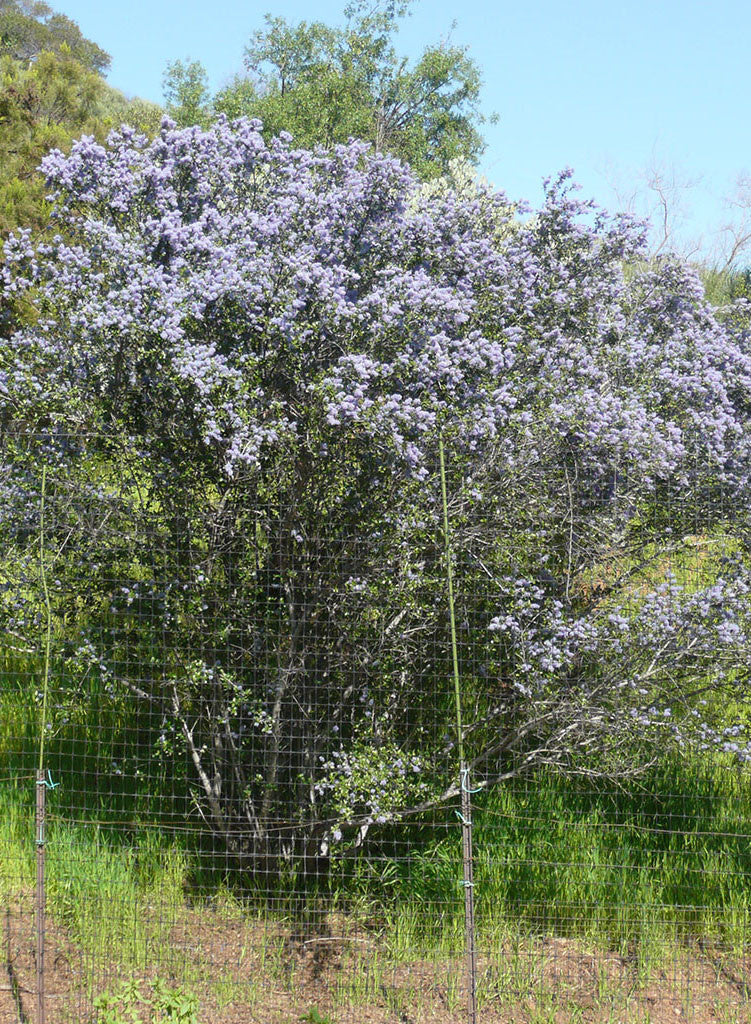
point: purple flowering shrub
(267, 294)
(263, 344)
(625, 658)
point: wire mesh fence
(333, 745)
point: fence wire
(257, 805)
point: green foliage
(45, 105)
(129, 1003)
(725, 286)
(374, 769)
(29, 28)
(325, 85)
(186, 92)
(313, 1016)
(174, 1005)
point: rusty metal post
(41, 788)
(469, 895)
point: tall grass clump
(118, 900)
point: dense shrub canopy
(285, 333)
(267, 289)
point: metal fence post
(41, 789)
(469, 894)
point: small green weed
(314, 1017)
(128, 1003)
(174, 1005)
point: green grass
(641, 870)
(115, 897)
(17, 852)
(120, 901)
(662, 861)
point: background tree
(186, 92)
(30, 27)
(51, 92)
(325, 85)
(44, 105)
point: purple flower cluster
(261, 291)
(641, 656)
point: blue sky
(610, 89)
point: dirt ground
(246, 973)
